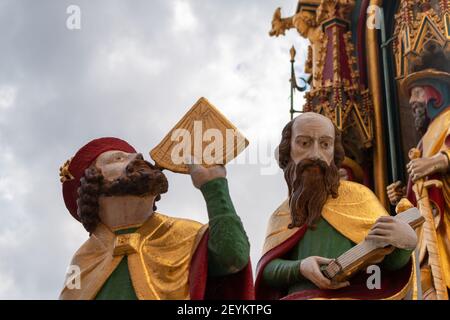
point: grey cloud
(71, 88)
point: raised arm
(228, 245)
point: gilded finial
(414, 153)
(64, 172)
(293, 53)
(403, 205)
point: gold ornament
(420, 27)
(64, 172)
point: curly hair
(284, 148)
(88, 194)
(91, 188)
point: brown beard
(141, 179)
(421, 119)
(314, 181)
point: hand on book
(390, 231)
(201, 175)
(310, 269)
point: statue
(338, 88)
(423, 73)
(324, 217)
(429, 101)
(428, 92)
(134, 252)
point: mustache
(420, 114)
(314, 165)
(138, 166)
(310, 183)
(418, 107)
(141, 178)
(294, 172)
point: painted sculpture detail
(134, 252)
(422, 56)
(324, 217)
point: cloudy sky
(131, 71)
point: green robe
(323, 241)
(228, 245)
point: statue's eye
(304, 143)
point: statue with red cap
(134, 252)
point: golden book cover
(203, 133)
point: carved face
(117, 173)
(312, 138)
(129, 174)
(417, 95)
(113, 163)
(418, 104)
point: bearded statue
(322, 218)
(427, 90)
(135, 252)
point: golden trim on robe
(433, 142)
(352, 213)
(158, 270)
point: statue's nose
(314, 153)
(138, 156)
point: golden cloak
(159, 255)
(352, 213)
(433, 142)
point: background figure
(429, 98)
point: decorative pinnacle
(293, 53)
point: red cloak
(238, 286)
(392, 282)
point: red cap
(73, 170)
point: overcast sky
(131, 71)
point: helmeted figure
(422, 56)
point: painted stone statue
(422, 70)
(324, 217)
(134, 252)
(429, 98)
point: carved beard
(421, 119)
(314, 181)
(141, 179)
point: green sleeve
(280, 273)
(228, 245)
(397, 259)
